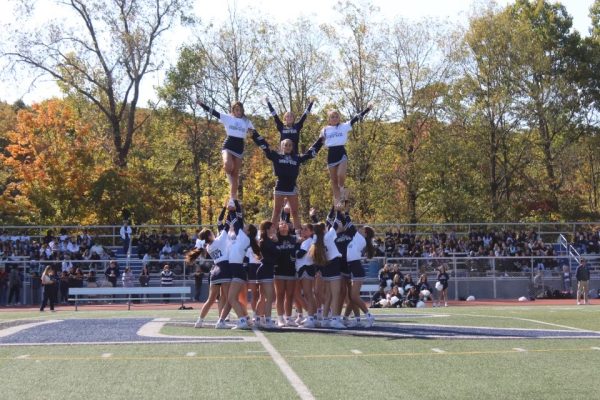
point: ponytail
(369, 236)
(317, 250)
(253, 243)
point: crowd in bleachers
(78, 256)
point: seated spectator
(411, 297)
(112, 273)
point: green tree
(104, 57)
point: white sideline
(287, 371)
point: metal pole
(494, 277)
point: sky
(280, 11)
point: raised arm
(222, 224)
(350, 228)
(262, 143)
(278, 122)
(303, 117)
(210, 110)
(312, 151)
(360, 116)
(330, 218)
(238, 221)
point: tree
(548, 91)
(187, 82)
(420, 63)
(104, 58)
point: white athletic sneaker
(336, 324)
(221, 325)
(351, 323)
(299, 320)
(270, 325)
(445, 304)
(578, 303)
(325, 323)
(290, 322)
(241, 325)
(280, 324)
(199, 323)
(370, 321)
(309, 324)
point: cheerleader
(239, 242)
(305, 270)
(362, 241)
(342, 240)
(220, 275)
(288, 129)
(265, 272)
(336, 136)
(423, 288)
(285, 275)
(286, 166)
(443, 278)
(236, 127)
(252, 261)
(331, 273)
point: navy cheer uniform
(269, 252)
(290, 132)
(235, 128)
(286, 260)
(342, 241)
(286, 166)
(443, 278)
(336, 138)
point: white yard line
(595, 348)
(519, 349)
(287, 371)
(534, 321)
(152, 329)
(356, 351)
(23, 357)
(436, 350)
(191, 354)
(106, 355)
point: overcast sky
(280, 11)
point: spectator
(3, 286)
(50, 284)
(64, 287)
(127, 277)
(412, 297)
(91, 279)
(166, 280)
(125, 233)
(583, 277)
(112, 273)
(567, 284)
(35, 287)
(198, 274)
(377, 297)
(14, 286)
(384, 276)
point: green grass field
(330, 366)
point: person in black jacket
(583, 277)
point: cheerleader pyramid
(313, 267)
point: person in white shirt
(125, 233)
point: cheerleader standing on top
(336, 136)
(286, 166)
(289, 129)
(236, 127)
